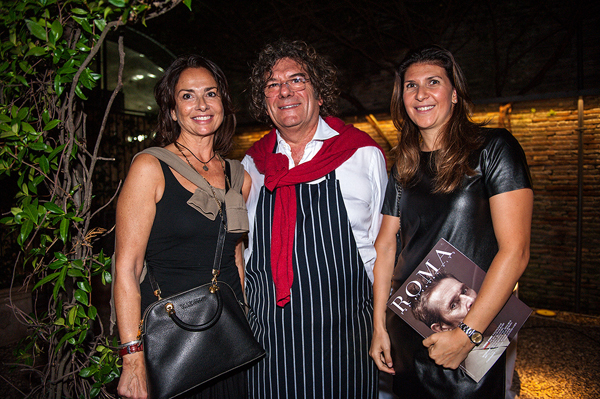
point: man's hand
(448, 348)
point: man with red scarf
(314, 209)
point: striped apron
(317, 345)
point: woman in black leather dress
(453, 179)
(165, 220)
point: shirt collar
(324, 132)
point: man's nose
(284, 90)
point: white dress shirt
(363, 178)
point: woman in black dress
(156, 224)
(452, 179)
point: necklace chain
(205, 167)
(227, 183)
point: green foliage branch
(46, 50)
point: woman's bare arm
(511, 217)
(385, 245)
(135, 214)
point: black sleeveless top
(182, 243)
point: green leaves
(103, 368)
(36, 29)
(64, 230)
(81, 296)
(100, 24)
(88, 371)
(46, 280)
(49, 216)
(106, 277)
(51, 125)
(26, 229)
(92, 312)
(84, 22)
(48, 158)
(56, 32)
(53, 208)
(44, 30)
(118, 3)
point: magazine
(459, 280)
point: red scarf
(334, 152)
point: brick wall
(547, 130)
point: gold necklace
(205, 167)
(227, 183)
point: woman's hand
(449, 348)
(382, 272)
(381, 351)
(133, 377)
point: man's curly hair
(321, 73)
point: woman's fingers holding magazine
(448, 348)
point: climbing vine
(47, 47)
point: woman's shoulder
(144, 181)
(144, 162)
(504, 162)
(498, 138)
(145, 172)
(157, 153)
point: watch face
(477, 338)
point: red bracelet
(129, 349)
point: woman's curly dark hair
(321, 73)
(168, 130)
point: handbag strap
(180, 166)
(399, 196)
(221, 240)
(399, 233)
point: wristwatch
(475, 336)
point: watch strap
(469, 331)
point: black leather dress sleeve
(391, 203)
(503, 163)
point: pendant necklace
(177, 144)
(214, 194)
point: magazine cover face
(438, 295)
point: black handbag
(196, 336)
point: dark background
(507, 49)
(534, 54)
(539, 57)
